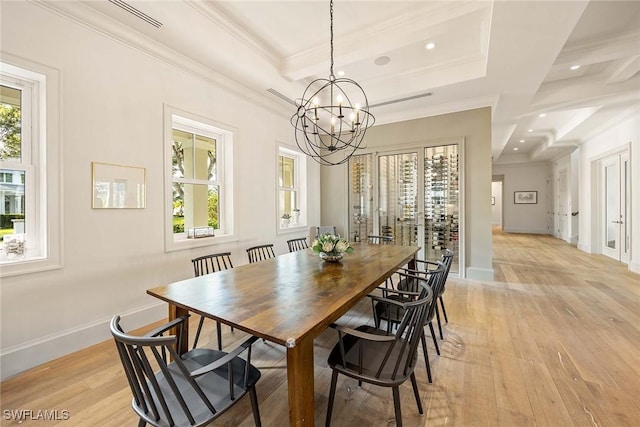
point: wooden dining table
(289, 300)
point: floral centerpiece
(331, 247)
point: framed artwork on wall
(118, 187)
(525, 197)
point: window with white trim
(200, 181)
(291, 188)
(29, 219)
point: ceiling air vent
(408, 98)
(281, 96)
(137, 13)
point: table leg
(174, 313)
(300, 383)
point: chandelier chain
(331, 76)
(329, 126)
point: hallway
(563, 333)
(554, 341)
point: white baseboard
(634, 267)
(485, 274)
(526, 230)
(584, 248)
(19, 358)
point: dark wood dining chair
(380, 240)
(194, 388)
(207, 264)
(408, 288)
(447, 260)
(369, 354)
(422, 265)
(297, 244)
(260, 253)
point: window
(200, 180)
(291, 185)
(5, 176)
(15, 96)
(29, 164)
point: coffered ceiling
(515, 56)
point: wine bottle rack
(442, 200)
(361, 197)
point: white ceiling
(511, 55)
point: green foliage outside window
(10, 140)
(10, 148)
(213, 208)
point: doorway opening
(614, 205)
(496, 201)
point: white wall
(112, 101)
(475, 127)
(524, 218)
(624, 136)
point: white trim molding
(19, 358)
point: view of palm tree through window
(12, 181)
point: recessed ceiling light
(382, 60)
(515, 149)
(341, 73)
(574, 67)
(539, 115)
(529, 130)
(522, 140)
(430, 45)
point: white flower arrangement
(331, 244)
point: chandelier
(332, 117)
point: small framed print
(525, 197)
(118, 187)
(493, 201)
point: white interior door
(563, 205)
(615, 190)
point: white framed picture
(525, 197)
(118, 186)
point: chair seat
(373, 354)
(391, 313)
(214, 385)
(369, 354)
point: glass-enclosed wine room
(411, 196)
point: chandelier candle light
(332, 117)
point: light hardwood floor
(553, 341)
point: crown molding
(91, 19)
(237, 31)
(615, 119)
(600, 50)
(623, 70)
(401, 29)
(464, 63)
